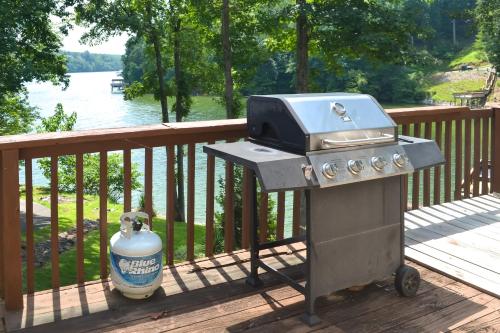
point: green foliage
(91, 163)
(16, 115)
(237, 211)
(29, 44)
(92, 62)
(443, 92)
(488, 17)
(474, 55)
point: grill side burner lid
(309, 122)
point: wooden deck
(211, 296)
(460, 239)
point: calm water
(90, 97)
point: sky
(115, 45)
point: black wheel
(407, 281)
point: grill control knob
(399, 160)
(378, 163)
(330, 170)
(355, 166)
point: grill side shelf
(276, 170)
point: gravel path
(41, 215)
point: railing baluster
(229, 208)
(246, 209)
(427, 172)
(190, 203)
(148, 184)
(30, 244)
(467, 158)
(54, 222)
(485, 146)
(437, 169)
(495, 150)
(492, 150)
(477, 156)
(405, 131)
(458, 159)
(280, 216)
(170, 204)
(209, 223)
(103, 214)
(296, 213)
(263, 216)
(80, 272)
(127, 180)
(415, 198)
(447, 156)
(10, 231)
(2, 224)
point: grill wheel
(407, 281)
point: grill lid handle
(329, 142)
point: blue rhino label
(138, 271)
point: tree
(16, 116)
(337, 30)
(488, 18)
(143, 18)
(29, 50)
(235, 35)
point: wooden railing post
(495, 154)
(10, 230)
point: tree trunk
(179, 203)
(161, 75)
(302, 30)
(227, 57)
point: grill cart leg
(253, 278)
(309, 317)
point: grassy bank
(67, 220)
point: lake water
(89, 95)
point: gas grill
(344, 152)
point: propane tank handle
(126, 220)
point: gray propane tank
(136, 257)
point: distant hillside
(93, 62)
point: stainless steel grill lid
(303, 123)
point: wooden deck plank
(344, 307)
(441, 320)
(101, 297)
(477, 225)
(449, 259)
(456, 239)
(460, 239)
(449, 232)
(487, 323)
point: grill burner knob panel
(378, 163)
(355, 166)
(399, 160)
(330, 170)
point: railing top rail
(23, 141)
(426, 110)
(45, 144)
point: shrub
(237, 211)
(91, 163)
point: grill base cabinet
(354, 236)
(351, 167)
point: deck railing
(466, 137)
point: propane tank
(136, 257)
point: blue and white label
(138, 271)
